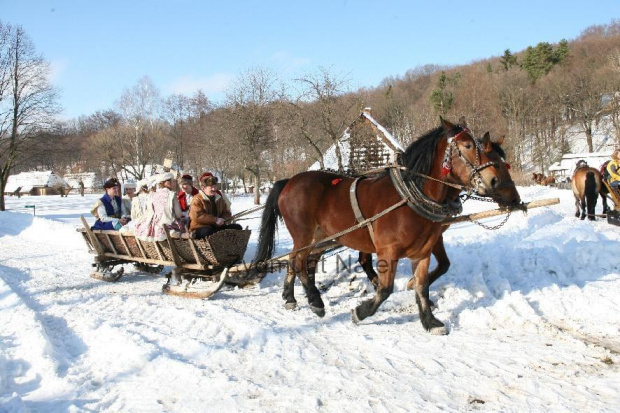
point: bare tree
(141, 143)
(249, 101)
(332, 106)
(28, 101)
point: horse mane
(497, 148)
(419, 156)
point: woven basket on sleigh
(222, 249)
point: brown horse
(547, 181)
(543, 180)
(314, 204)
(586, 186)
(509, 191)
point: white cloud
(57, 69)
(286, 61)
(215, 84)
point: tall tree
(442, 97)
(332, 105)
(249, 104)
(141, 143)
(508, 60)
(28, 101)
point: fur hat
(208, 179)
(110, 183)
(187, 178)
(165, 177)
(130, 185)
(142, 183)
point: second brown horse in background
(586, 185)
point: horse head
(474, 164)
(506, 192)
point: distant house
(364, 145)
(88, 178)
(35, 183)
(564, 169)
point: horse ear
(486, 142)
(446, 125)
(462, 122)
(500, 140)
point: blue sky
(98, 49)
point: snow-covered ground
(532, 310)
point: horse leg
(582, 203)
(387, 270)
(365, 260)
(430, 323)
(604, 198)
(443, 264)
(577, 207)
(288, 291)
(307, 280)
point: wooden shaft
(501, 211)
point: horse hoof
(290, 306)
(411, 283)
(354, 316)
(439, 331)
(318, 311)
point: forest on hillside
(267, 129)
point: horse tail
(591, 194)
(269, 224)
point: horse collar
(420, 203)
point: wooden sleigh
(200, 267)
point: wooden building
(364, 145)
(35, 183)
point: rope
(341, 233)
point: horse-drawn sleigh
(409, 207)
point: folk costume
(108, 210)
(166, 212)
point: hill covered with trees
(268, 129)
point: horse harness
(359, 216)
(415, 198)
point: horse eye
(468, 146)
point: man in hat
(109, 208)
(208, 211)
(186, 194)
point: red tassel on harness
(445, 170)
(507, 165)
(336, 181)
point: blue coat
(109, 210)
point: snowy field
(532, 309)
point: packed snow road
(531, 309)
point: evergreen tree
(561, 52)
(440, 98)
(539, 60)
(508, 60)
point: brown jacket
(201, 211)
